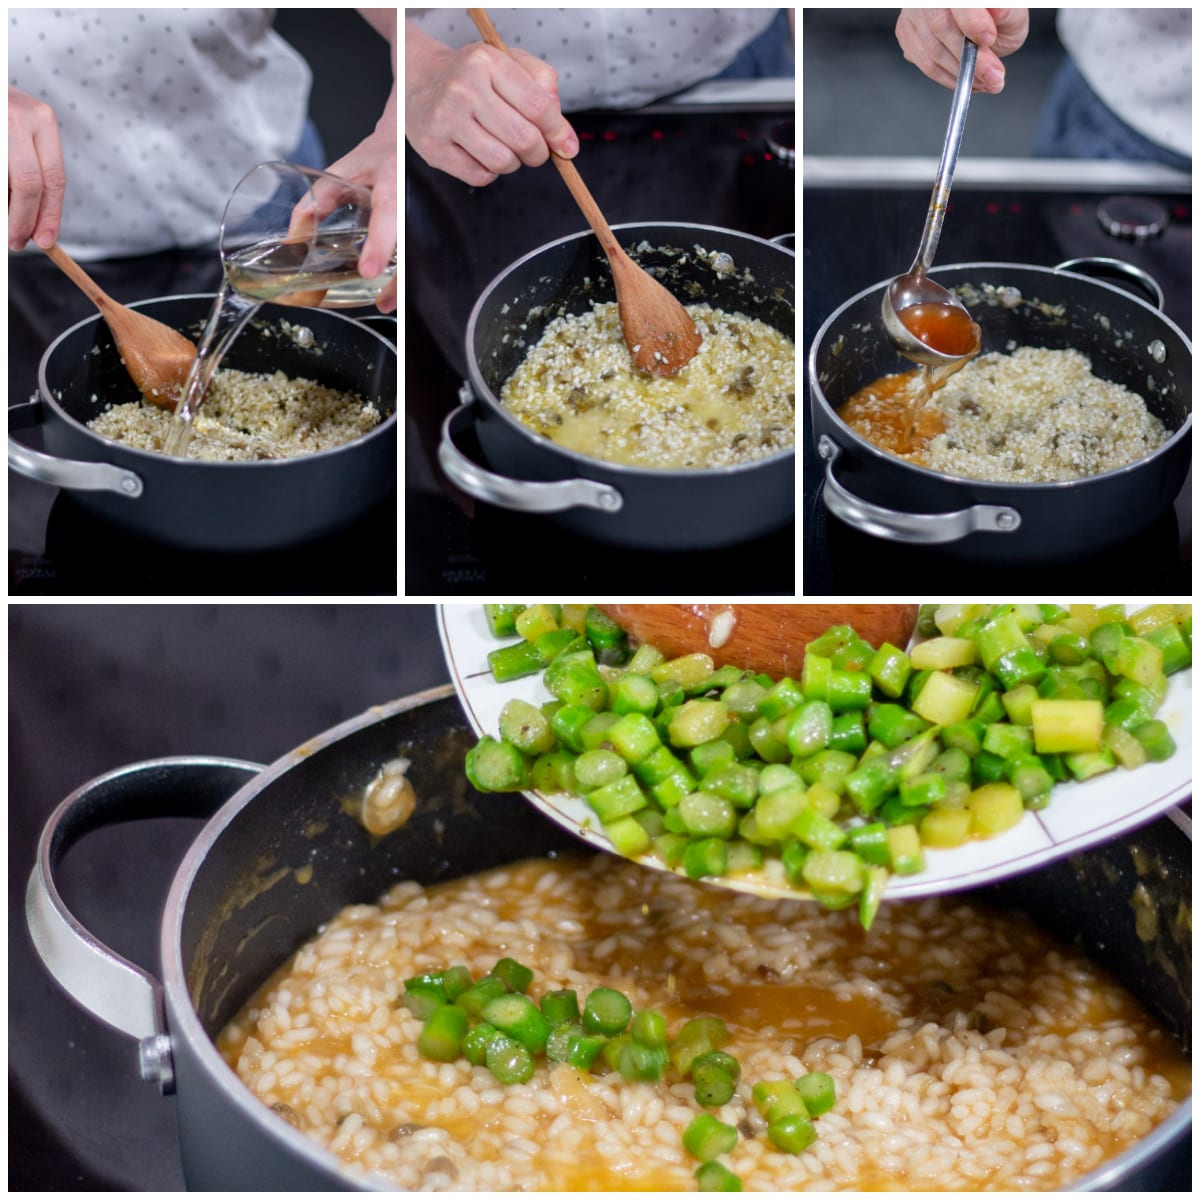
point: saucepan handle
(95, 976)
(927, 529)
(1098, 265)
(521, 495)
(64, 472)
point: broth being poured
(947, 330)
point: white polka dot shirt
(1139, 62)
(613, 57)
(161, 112)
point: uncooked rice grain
(249, 418)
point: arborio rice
(735, 402)
(1039, 415)
(969, 1049)
(249, 418)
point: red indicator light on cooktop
(609, 136)
(586, 135)
(1181, 212)
(657, 134)
(1077, 210)
(991, 208)
(1015, 207)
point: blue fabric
(769, 55)
(310, 150)
(1076, 123)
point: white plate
(1079, 814)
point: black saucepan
(1128, 341)
(285, 853)
(626, 505)
(210, 505)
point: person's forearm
(383, 21)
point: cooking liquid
(891, 414)
(947, 329)
(230, 312)
(323, 274)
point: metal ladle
(915, 287)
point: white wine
(227, 318)
(323, 273)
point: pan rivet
(1158, 351)
(157, 1066)
(1006, 520)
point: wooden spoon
(156, 356)
(759, 637)
(660, 335)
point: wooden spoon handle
(759, 637)
(566, 168)
(86, 284)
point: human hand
(477, 113)
(37, 178)
(931, 39)
(373, 163)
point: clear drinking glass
(293, 235)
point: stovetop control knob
(1132, 218)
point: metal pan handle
(95, 976)
(64, 472)
(1116, 266)
(926, 529)
(72, 473)
(521, 495)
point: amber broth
(893, 414)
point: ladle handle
(566, 168)
(940, 199)
(78, 276)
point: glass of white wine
(293, 235)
